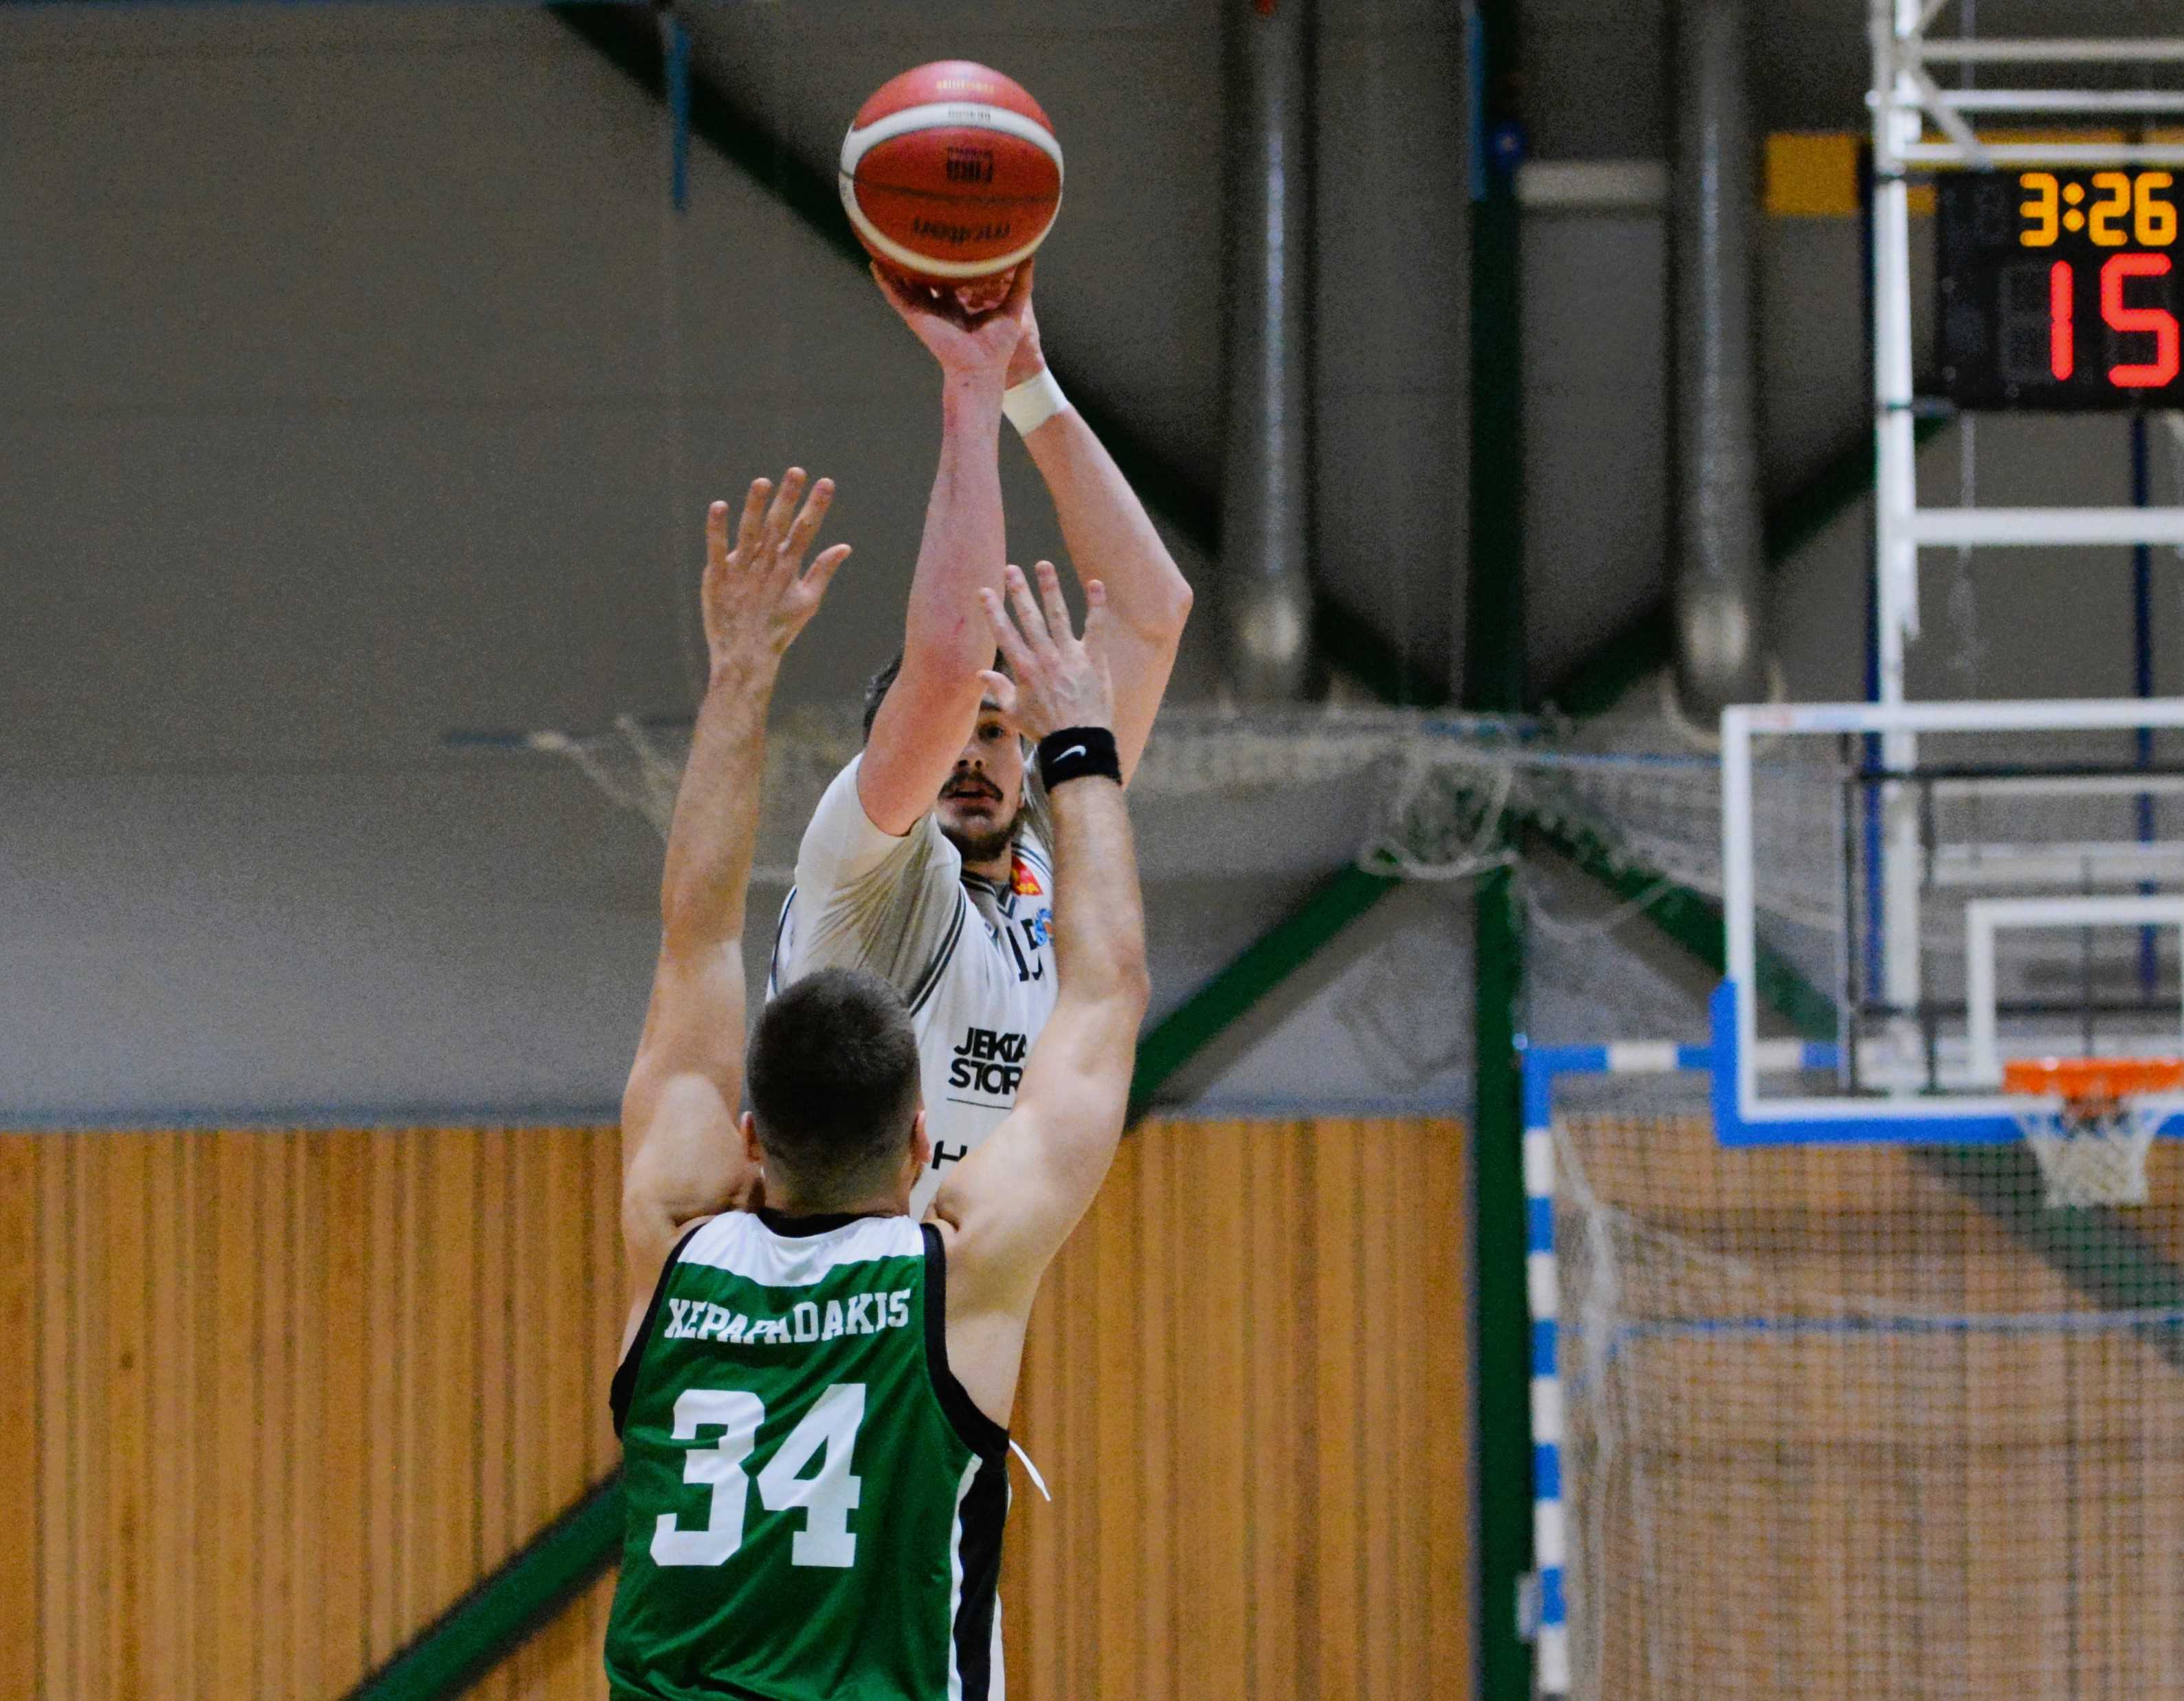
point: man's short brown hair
(832, 1070)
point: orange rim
(2093, 1081)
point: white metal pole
(1982, 1045)
(2047, 153)
(1897, 122)
(1740, 944)
(2060, 100)
(2057, 50)
(2041, 528)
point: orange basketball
(951, 172)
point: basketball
(950, 173)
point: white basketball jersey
(974, 960)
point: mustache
(971, 786)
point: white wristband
(1032, 403)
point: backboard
(1967, 884)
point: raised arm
(934, 699)
(1108, 533)
(681, 1156)
(1013, 1201)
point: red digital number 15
(2156, 321)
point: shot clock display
(2060, 289)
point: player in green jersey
(814, 1392)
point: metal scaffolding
(1919, 128)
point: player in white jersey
(926, 863)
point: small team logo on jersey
(1025, 881)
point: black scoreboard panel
(2060, 289)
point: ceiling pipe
(1720, 592)
(1266, 519)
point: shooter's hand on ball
(964, 346)
(758, 596)
(1055, 679)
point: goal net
(1861, 1422)
(1428, 795)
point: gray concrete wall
(1597, 429)
(1391, 401)
(362, 389)
(1131, 283)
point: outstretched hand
(965, 344)
(758, 596)
(1055, 679)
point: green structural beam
(1185, 1032)
(1493, 683)
(1689, 920)
(628, 38)
(1501, 1475)
(507, 1608)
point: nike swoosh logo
(1073, 750)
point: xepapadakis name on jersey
(864, 1314)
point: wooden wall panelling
(167, 1582)
(20, 1391)
(1337, 1463)
(287, 1394)
(530, 1259)
(301, 1201)
(445, 1438)
(381, 1300)
(254, 1398)
(56, 1321)
(230, 1408)
(92, 1418)
(1118, 1369)
(112, 1267)
(498, 1532)
(1281, 1602)
(1202, 1212)
(341, 1534)
(1382, 1440)
(1295, 1374)
(1446, 1597)
(1074, 1458)
(1163, 1513)
(409, 1525)
(557, 1423)
(610, 1302)
(275, 1439)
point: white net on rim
(2094, 1123)
(2093, 1154)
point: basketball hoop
(2092, 1144)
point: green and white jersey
(815, 1505)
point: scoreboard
(2059, 289)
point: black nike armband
(1076, 752)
